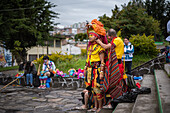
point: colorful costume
(46, 69)
(93, 69)
(113, 83)
(93, 61)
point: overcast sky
(74, 11)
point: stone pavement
(26, 100)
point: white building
(38, 51)
(71, 49)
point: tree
(160, 10)
(132, 19)
(81, 36)
(107, 21)
(26, 22)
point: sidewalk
(25, 100)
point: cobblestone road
(26, 100)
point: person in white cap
(168, 31)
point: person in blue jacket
(128, 55)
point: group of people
(29, 70)
(104, 67)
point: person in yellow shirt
(95, 63)
(118, 45)
(114, 85)
(95, 69)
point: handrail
(159, 98)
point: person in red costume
(114, 84)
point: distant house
(38, 51)
(59, 44)
(71, 49)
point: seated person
(20, 72)
(48, 70)
(30, 70)
(84, 100)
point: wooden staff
(9, 84)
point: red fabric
(121, 69)
(17, 75)
(113, 40)
(92, 33)
(138, 85)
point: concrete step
(164, 89)
(167, 68)
(147, 103)
(104, 110)
(124, 108)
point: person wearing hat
(168, 31)
(95, 63)
(114, 74)
(47, 71)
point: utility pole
(47, 47)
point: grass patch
(169, 75)
(8, 68)
(79, 62)
(140, 59)
(76, 62)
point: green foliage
(83, 52)
(25, 21)
(76, 63)
(160, 10)
(140, 59)
(79, 62)
(64, 62)
(132, 20)
(9, 68)
(55, 57)
(119, 34)
(144, 45)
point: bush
(57, 58)
(144, 45)
(83, 52)
(9, 68)
(64, 62)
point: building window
(32, 57)
(51, 43)
(58, 43)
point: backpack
(130, 82)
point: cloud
(74, 11)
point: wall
(71, 49)
(148, 67)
